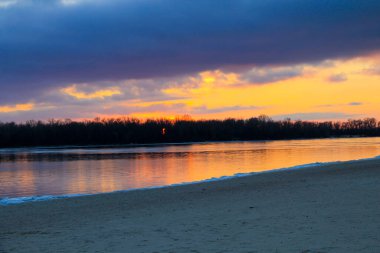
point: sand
(333, 208)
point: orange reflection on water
(20, 180)
(141, 167)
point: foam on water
(19, 200)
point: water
(62, 171)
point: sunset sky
(80, 59)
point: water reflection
(27, 172)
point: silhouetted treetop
(184, 129)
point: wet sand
(331, 208)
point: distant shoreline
(119, 131)
(133, 145)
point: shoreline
(136, 145)
(327, 208)
(6, 201)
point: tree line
(134, 131)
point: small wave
(20, 200)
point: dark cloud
(46, 43)
(338, 78)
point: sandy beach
(331, 208)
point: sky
(210, 59)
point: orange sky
(330, 90)
(308, 60)
(355, 93)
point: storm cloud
(45, 44)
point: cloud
(202, 83)
(337, 78)
(175, 108)
(98, 94)
(206, 81)
(206, 110)
(271, 75)
(375, 70)
(355, 104)
(119, 109)
(7, 3)
(16, 108)
(46, 44)
(70, 2)
(315, 116)
(339, 105)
